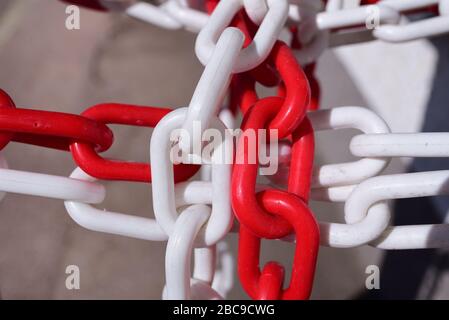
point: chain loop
(398, 186)
(106, 221)
(354, 17)
(48, 186)
(164, 203)
(244, 173)
(350, 172)
(91, 4)
(297, 91)
(296, 212)
(211, 89)
(259, 49)
(93, 164)
(416, 30)
(156, 15)
(173, 14)
(179, 251)
(239, 46)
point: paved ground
(45, 66)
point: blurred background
(113, 58)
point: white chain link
(328, 177)
(194, 216)
(198, 225)
(389, 14)
(179, 252)
(431, 145)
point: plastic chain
(244, 176)
(297, 91)
(274, 214)
(164, 204)
(98, 167)
(263, 42)
(50, 129)
(91, 4)
(144, 11)
(267, 285)
(48, 186)
(84, 135)
(5, 102)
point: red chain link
(274, 214)
(268, 284)
(111, 113)
(84, 135)
(310, 73)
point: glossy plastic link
(267, 284)
(50, 129)
(297, 91)
(98, 167)
(244, 174)
(91, 4)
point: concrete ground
(116, 59)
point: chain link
(238, 44)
